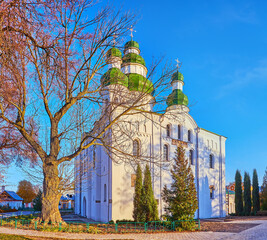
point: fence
(94, 227)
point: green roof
(139, 83)
(131, 44)
(177, 97)
(177, 76)
(114, 76)
(133, 58)
(114, 52)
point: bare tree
(52, 54)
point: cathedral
(138, 133)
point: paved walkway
(258, 233)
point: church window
(144, 127)
(189, 136)
(115, 100)
(179, 132)
(211, 159)
(168, 130)
(105, 192)
(136, 148)
(191, 157)
(166, 152)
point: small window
(211, 192)
(168, 130)
(136, 148)
(179, 132)
(189, 136)
(144, 127)
(166, 152)
(105, 192)
(191, 157)
(116, 100)
(211, 161)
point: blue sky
(222, 45)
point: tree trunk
(51, 194)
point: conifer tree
(238, 194)
(138, 212)
(247, 194)
(181, 198)
(264, 192)
(37, 202)
(149, 204)
(255, 192)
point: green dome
(177, 97)
(139, 83)
(133, 58)
(114, 76)
(131, 44)
(177, 76)
(114, 52)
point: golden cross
(178, 65)
(131, 30)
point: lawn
(17, 237)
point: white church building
(105, 172)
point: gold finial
(179, 64)
(131, 30)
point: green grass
(13, 237)
(17, 237)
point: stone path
(259, 232)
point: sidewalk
(259, 232)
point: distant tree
(247, 194)
(37, 202)
(149, 204)
(138, 211)
(255, 192)
(264, 192)
(181, 198)
(238, 194)
(26, 191)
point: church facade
(104, 190)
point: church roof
(114, 52)
(139, 83)
(177, 97)
(131, 44)
(177, 76)
(133, 58)
(114, 76)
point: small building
(230, 201)
(66, 202)
(10, 199)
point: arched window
(189, 136)
(168, 130)
(105, 192)
(179, 132)
(116, 100)
(166, 152)
(136, 148)
(211, 161)
(191, 157)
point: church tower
(177, 99)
